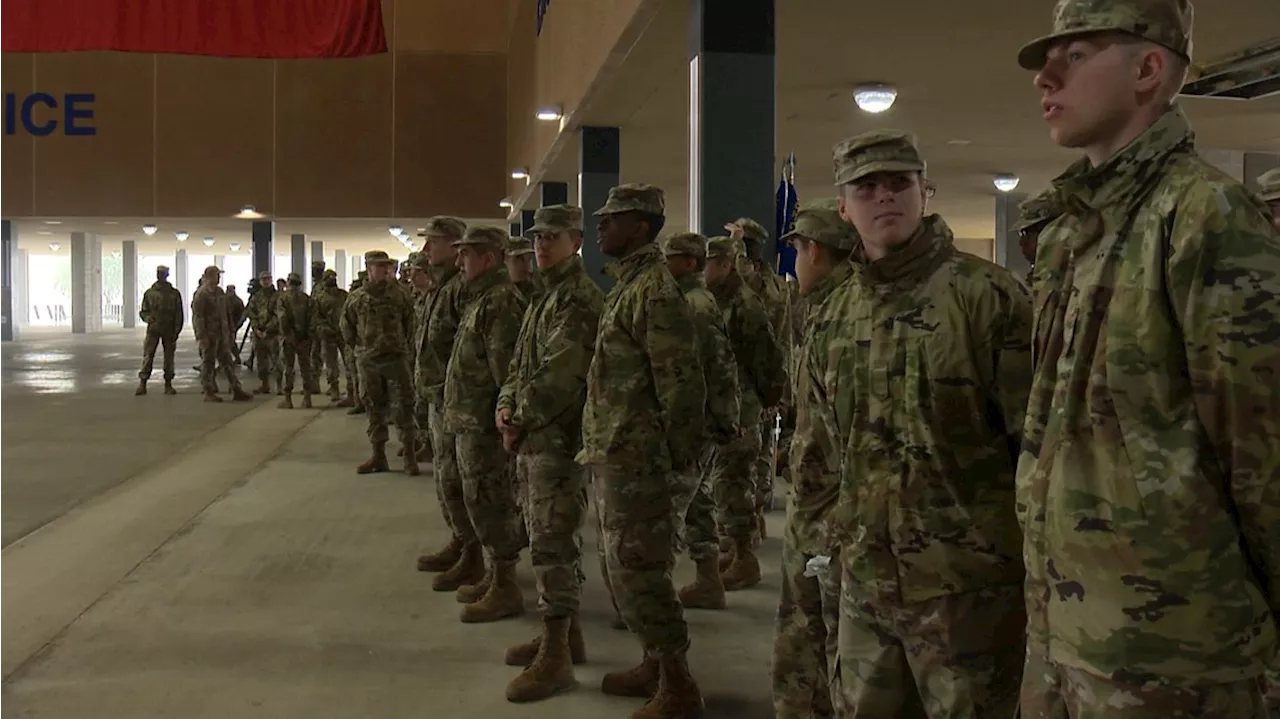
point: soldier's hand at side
(502, 419)
(511, 440)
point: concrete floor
(255, 574)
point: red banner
(219, 28)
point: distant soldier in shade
(330, 299)
(296, 313)
(162, 311)
(213, 333)
(266, 333)
(521, 268)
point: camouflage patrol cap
(330, 274)
(411, 260)
(686, 243)
(444, 226)
(362, 275)
(875, 151)
(519, 246)
(295, 278)
(1269, 185)
(752, 231)
(162, 269)
(1164, 22)
(489, 238)
(317, 264)
(1037, 211)
(419, 260)
(212, 270)
(264, 275)
(721, 247)
(377, 257)
(634, 197)
(556, 219)
(826, 227)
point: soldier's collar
(691, 280)
(823, 288)
(625, 268)
(916, 257)
(555, 274)
(728, 286)
(441, 274)
(495, 276)
(1128, 172)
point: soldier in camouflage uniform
(1149, 482)
(296, 316)
(1269, 191)
(686, 255)
(330, 299)
(353, 373)
(477, 369)
(539, 414)
(809, 607)
(378, 322)
(423, 289)
(317, 348)
(644, 421)
(520, 267)
(235, 310)
(1033, 215)
(266, 333)
(162, 311)
(926, 379)
(212, 326)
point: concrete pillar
(731, 114)
(298, 256)
(357, 264)
(22, 288)
(1008, 253)
(86, 283)
(8, 254)
(317, 253)
(340, 266)
(553, 193)
(599, 170)
(1256, 163)
(220, 261)
(129, 284)
(180, 274)
(263, 236)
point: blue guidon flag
(787, 204)
(542, 12)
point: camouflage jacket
(817, 446)
(646, 398)
(1149, 482)
(329, 304)
(546, 384)
(782, 301)
(209, 314)
(377, 320)
(235, 311)
(434, 343)
(719, 367)
(296, 315)
(533, 287)
(262, 311)
(162, 309)
(928, 368)
(762, 369)
(482, 353)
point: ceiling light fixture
(110, 222)
(249, 212)
(521, 174)
(181, 235)
(115, 254)
(43, 232)
(550, 114)
(235, 246)
(55, 246)
(208, 242)
(505, 204)
(395, 230)
(149, 230)
(1006, 182)
(875, 98)
(53, 222)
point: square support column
(599, 170)
(8, 257)
(22, 288)
(129, 284)
(263, 237)
(553, 193)
(298, 256)
(357, 264)
(317, 253)
(86, 283)
(1008, 252)
(220, 261)
(340, 266)
(181, 275)
(731, 115)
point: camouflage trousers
(353, 373)
(763, 467)
(959, 655)
(295, 355)
(1054, 691)
(805, 682)
(695, 511)
(733, 485)
(422, 413)
(554, 499)
(266, 358)
(149, 345)
(488, 486)
(218, 351)
(444, 466)
(636, 513)
(384, 382)
(331, 359)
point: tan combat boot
(728, 552)
(677, 697)
(377, 462)
(469, 569)
(142, 388)
(168, 387)
(264, 388)
(441, 561)
(551, 670)
(503, 600)
(306, 400)
(744, 571)
(472, 593)
(521, 655)
(639, 681)
(345, 402)
(286, 401)
(334, 393)
(707, 589)
(238, 394)
(210, 396)
(411, 460)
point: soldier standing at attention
(686, 255)
(330, 299)
(1269, 190)
(317, 349)
(642, 425)
(762, 379)
(520, 267)
(930, 363)
(235, 311)
(162, 311)
(353, 372)
(539, 414)
(266, 332)
(461, 561)
(378, 321)
(296, 314)
(809, 608)
(423, 287)
(1149, 482)
(213, 333)
(477, 369)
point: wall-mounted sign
(43, 114)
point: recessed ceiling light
(1006, 182)
(110, 222)
(235, 246)
(550, 114)
(959, 142)
(521, 174)
(115, 254)
(55, 246)
(249, 212)
(149, 230)
(181, 236)
(505, 204)
(875, 98)
(208, 242)
(395, 230)
(43, 232)
(53, 222)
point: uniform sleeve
(504, 330)
(507, 392)
(815, 453)
(181, 319)
(671, 344)
(1223, 281)
(348, 322)
(284, 317)
(720, 373)
(768, 355)
(197, 315)
(407, 324)
(558, 384)
(144, 312)
(1011, 349)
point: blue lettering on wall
(42, 114)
